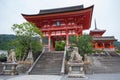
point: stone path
(31, 77)
(96, 77)
(104, 67)
(60, 77)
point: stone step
(48, 63)
(44, 73)
(46, 70)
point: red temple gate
(59, 24)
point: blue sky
(106, 12)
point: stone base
(9, 69)
(76, 75)
(76, 70)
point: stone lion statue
(75, 56)
(11, 56)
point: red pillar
(96, 45)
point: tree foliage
(26, 40)
(26, 29)
(59, 45)
(84, 44)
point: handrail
(35, 61)
(63, 62)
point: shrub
(59, 45)
(118, 51)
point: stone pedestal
(75, 64)
(9, 68)
(76, 70)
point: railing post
(63, 62)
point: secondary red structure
(101, 42)
(61, 23)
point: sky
(106, 13)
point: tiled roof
(104, 38)
(64, 9)
(97, 30)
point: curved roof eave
(97, 30)
(58, 12)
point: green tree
(84, 44)
(26, 40)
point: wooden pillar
(49, 41)
(96, 45)
(53, 43)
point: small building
(101, 42)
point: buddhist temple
(101, 42)
(61, 23)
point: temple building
(61, 23)
(101, 42)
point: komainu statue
(11, 56)
(10, 67)
(75, 56)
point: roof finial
(95, 25)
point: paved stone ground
(96, 77)
(5, 77)
(60, 77)
(104, 67)
(31, 77)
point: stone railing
(35, 62)
(63, 62)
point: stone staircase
(49, 63)
(104, 63)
